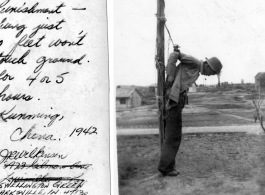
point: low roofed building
(128, 97)
(260, 82)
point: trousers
(172, 138)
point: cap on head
(215, 64)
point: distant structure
(193, 88)
(260, 82)
(128, 97)
(225, 83)
(219, 80)
(242, 81)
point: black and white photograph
(189, 82)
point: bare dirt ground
(204, 109)
(209, 163)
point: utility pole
(160, 56)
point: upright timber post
(160, 55)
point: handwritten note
(54, 133)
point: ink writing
(44, 51)
(85, 131)
(46, 79)
(10, 115)
(36, 153)
(5, 8)
(19, 135)
(5, 97)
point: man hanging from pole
(179, 79)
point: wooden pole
(160, 52)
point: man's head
(212, 66)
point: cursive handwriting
(5, 97)
(26, 42)
(44, 165)
(40, 45)
(5, 76)
(12, 182)
(59, 42)
(36, 153)
(7, 115)
(19, 27)
(29, 10)
(9, 59)
(43, 59)
(47, 27)
(19, 135)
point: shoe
(173, 173)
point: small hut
(128, 97)
(260, 82)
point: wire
(169, 35)
(159, 65)
(163, 19)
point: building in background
(260, 82)
(225, 83)
(193, 88)
(128, 97)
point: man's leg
(171, 143)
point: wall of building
(136, 100)
(132, 102)
(192, 89)
(119, 105)
(260, 85)
(256, 84)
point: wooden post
(160, 52)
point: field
(204, 109)
(209, 163)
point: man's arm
(190, 60)
(183, 58)
(171, 66)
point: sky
(231, 30)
